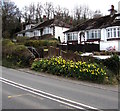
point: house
(52, 27)
(104, 30)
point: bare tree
(25, 14)
(48, 10)
(58, 11)
(29, 13)
(77, 12)
(39, 11)
(97, 14)
(85, 12)
(32, 11)
(65, 12)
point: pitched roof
(51, 22)
(23, 31)
(97, 23)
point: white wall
(79, 37)
(51, 30)
(29, 26)
(29, 34)
(37, 33)
(59, 33)
(65, 36)
(104, 45)
(20, 35)
(118, 45)
(48, 30)
(103, 34)
(119, 7)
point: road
(21, 90)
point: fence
(52, 51)
(67, 55)
(80, 47)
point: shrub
(6, 34)
(22, 40)
(21, 55)
(18, 54)
(79, 70)
(38, 43)
(7, 47)
(6, 42)
(112, 64)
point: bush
(22, 40)
(7, 47)
(6, 34)
(18, 54)
(7, 42)
(112, 64)
(78, 70)
(38, 43)
(53, 39)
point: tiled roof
(51, 22)
(97, 23)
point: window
(46, 30)
(69, 36)
(114, 32)
(93, 34)
(118, 32)
(87, 34)
(75, 36)
(108, 33)
(35, 33)
(99, 33)
(111, 32)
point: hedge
(40, 43)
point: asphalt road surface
(21, 90)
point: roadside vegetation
(78, 70)
(16, 55)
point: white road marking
(53, 97)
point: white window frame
(118, 31)
(113, 32)
(93, 34)
(70, 36)
(75, 36)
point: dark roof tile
(97, 23)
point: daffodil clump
(79, 70)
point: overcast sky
(102, 5)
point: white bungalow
(103, 30)
(52, 27)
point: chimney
(112, 10)
(70, 21)
(44, 18)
